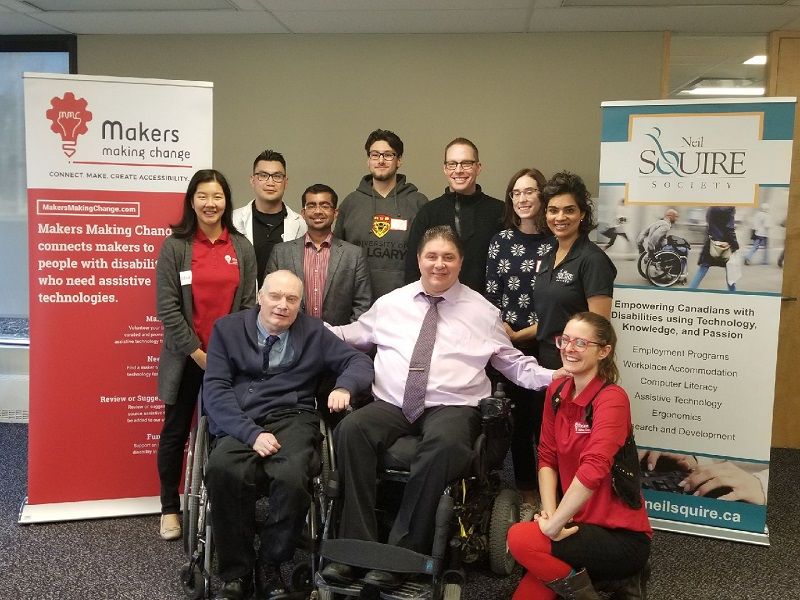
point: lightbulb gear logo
(69, 118)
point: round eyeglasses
(528, 193)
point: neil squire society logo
(564, 276)
(690, 163)
(69, 117)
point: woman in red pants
(590, 533)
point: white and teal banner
(692, 210)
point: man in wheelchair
(431, 394)
(652, 237)
(259, 384)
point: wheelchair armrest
(495, 407)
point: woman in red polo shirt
(589, 533)
(206, 269)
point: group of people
(276, 313)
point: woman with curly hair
(576, 276)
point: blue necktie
(419, 366)
(270, 342)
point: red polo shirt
(215, 277)
(572, 449)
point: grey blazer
(174, 306)
(348, 291)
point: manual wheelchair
(472, 520)
(667, 265)
(196, 574)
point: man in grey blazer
(334, 272)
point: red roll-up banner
(108, 163)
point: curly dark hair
(569, 183)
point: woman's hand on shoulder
(560, 373)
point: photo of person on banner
(682, 230)
(710, 477)
(720, 247)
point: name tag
(186, 278)
(398, 224)
(582, 427)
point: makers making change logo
(69, 118)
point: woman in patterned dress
(513, 259)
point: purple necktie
(418, 368)
(268, 344)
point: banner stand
(30, 514)
(731, 535)
(108, 164)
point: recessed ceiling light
(759, 59)
(725, 91)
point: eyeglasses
(326, 206)
(529, 193)
(466, 165)
(264, 176)
(579, 344)
(387, 156)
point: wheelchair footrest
(409, 590)
(374, 555)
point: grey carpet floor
(124, 558)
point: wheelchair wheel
(665, 269)
(187, 486)
(505, 512)
(195, 491)
(192, 581)
(641, 265)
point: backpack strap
(590, 406)
(556, 399)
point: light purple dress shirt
(470, 334)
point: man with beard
(378, 214)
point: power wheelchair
(196, 574)
(472, 520)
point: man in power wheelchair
(432, 395)
(262, 370)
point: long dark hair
(605, 334)
(187, 226)
(510, 218)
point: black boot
(574, 587)
(269, 585)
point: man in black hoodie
(377, 216)
(474, 215)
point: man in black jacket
(474, 215)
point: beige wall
(524, 99)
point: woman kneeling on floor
(591, 534)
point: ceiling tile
(405, 21)
(165, 22)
